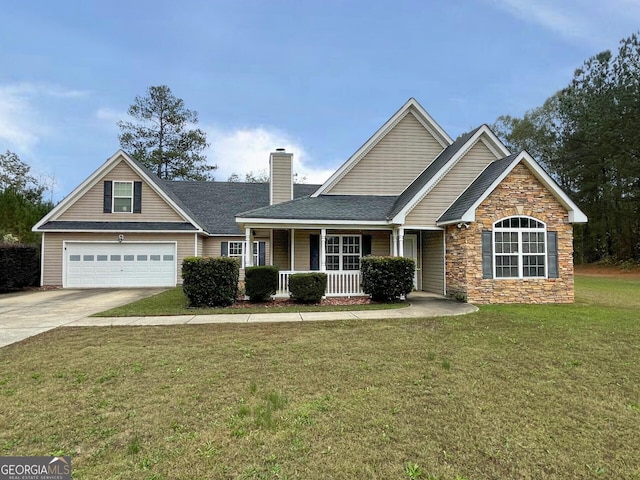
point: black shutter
(137, 197)
(224, 249)
(108, 196)
(487, 254)
(366, 245)
(552, 254)
(314, 252)
(262, 257)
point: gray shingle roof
(478, 188)
(431, 171)
(328, 207)
(120, 226)
(214, 205)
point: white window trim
(520, 253)
(256, 248)
(113, 196)
(340, 253)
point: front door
(411, 251)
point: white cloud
(594, 23)
(247, 150)
(22, 123)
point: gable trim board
(409, 107)
(475, 194)
(98, 175)
(479, 134)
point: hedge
(209, 281)
(387, 278)
(307, 287)
(19, 267)
(260, 282)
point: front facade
(481, 223)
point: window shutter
(108, 196)
(262, 257)
(487, 254)
(224, 249)
(137, 197)
(314, 252)
(552, 254)
(366, 245)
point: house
(481, 222)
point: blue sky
(316, 77)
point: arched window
(519, 248)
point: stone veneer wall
(519, 194)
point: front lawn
(174, 302)
(522, 392)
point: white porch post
(394, 241)
(293, 253)
(248, 251)
(323, 255)
(401, 242)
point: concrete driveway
(25, 314)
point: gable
(522, 193)
(455, 181)
(89, 206)
(393, 163)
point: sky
(315, 77)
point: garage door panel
(120, 264)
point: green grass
(173, 302)
(518, 391)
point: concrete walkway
(25, 314)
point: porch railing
(339, 283)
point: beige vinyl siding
(200, 250)
(90, 206)
(281, 245)
(429, 209)
(213, 248)
(433, 262)
(302, 249)
(53, 245)
(380, 243)
(396, 160)
(281, 178)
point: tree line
(587, 135)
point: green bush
(307, 287)
(210, 282)
(19, 266)
(387, 278)
(260, 282)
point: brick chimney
(280, 176)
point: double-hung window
(236, 249)
(343, 252)
(519, 248)
(122, 197)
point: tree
(15, 176)
(587, 136)
(21, 203)
(161, 137)
(250, 177)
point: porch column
(323, 255)
(394, 241)
(293, 253)
(248, 251)
(401, 242)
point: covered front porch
(336, 251)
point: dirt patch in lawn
(602, 270)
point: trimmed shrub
(19, 267)
(260, 282)
(210, 282)
(387, 278)
(307, 287)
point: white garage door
(101, 265)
